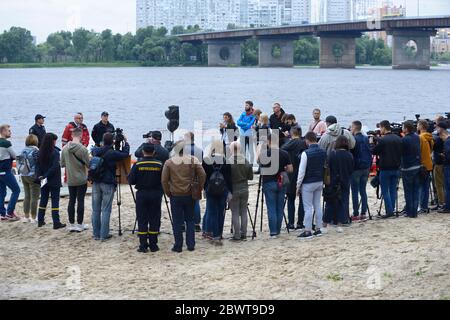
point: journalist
(161, 153)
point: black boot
(153, 239)
(56, 222)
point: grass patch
(387, 275)
(335, 277)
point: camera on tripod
(119, 138)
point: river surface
(136, 98)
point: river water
(136, 98)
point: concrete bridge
(337, 42)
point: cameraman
(389, 151)
(411, 168)
(161, 153)
(104, 187)
(99, 130)
(146, 175)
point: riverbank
(70, 65)
(394, 259)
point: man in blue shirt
(245, 123)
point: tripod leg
(262, 210)
(256, 210)
(284, 214)
(168, 210)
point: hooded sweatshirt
(426, 148)
(76, 169)
(327, 142)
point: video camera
(119, 138)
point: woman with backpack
(48, 171)
(341, 165)
(218, 189)
(26, 166)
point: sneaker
(12, 217)
(33, 221)
(109, 237)
(318, 233)
(443, 210)
(339, 230)
(77, 228)
(71, 228)
(423, 211)
(273, 237)
(388, 216)
(84, 227)
(305, 235)
(324, 230)
(177, 250)
(363, 218)
(198, 228)
(25, 220)
(3, 218)
(59, 226)
(356, 219)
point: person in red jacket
(78, 123)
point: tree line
(155, 47)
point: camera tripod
(261, 194)
(396, 209)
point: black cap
(105, 114)
(157, 135)
(38, 117)
(442, 125)
(331, 120)
(148, 148)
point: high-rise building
(218, 14)
(338, 10)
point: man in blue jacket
(411, 168)
(245, 123)
(363, 161)
(104, 187)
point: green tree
(250, 49)
(17, 46)
(108, 47)
(306, 51)
(80, 39)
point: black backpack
(216, 183)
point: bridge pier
(338, 50)
(408, 57)
(276, 52)
(224, 53)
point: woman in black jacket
(48, 171)
(219, 189)
(341, 166)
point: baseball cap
(157, 135)
(148, 148)
(105, 114)
(38, 117)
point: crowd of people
(329, 163)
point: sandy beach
(394, 259)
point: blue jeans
(388, 183)
(424, 193)
(275, 206)
(447, 187)
(198, 216)
(8, 181)
(102, 199)
(216, 214)
(359, 184)
(291, 210)
(411, 186)
(183, 212)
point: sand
(394, 259)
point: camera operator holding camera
(105, 183)
(99, 130)
(389, 151)
(154, 138)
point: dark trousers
(183, 212)
(411, 186)
(291, 210)
(77, 195)
(216, 214)
(46, 193)
(447, 186)
(148, 212)
(338, 211)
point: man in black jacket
(38, 129)
(146, 176)
(295, 148)
(389, 152)
(99, 130)
(161, 153)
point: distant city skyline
(43, 17)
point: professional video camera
(119, 138)
(431, 123)
(147, 135)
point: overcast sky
(46, 16)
